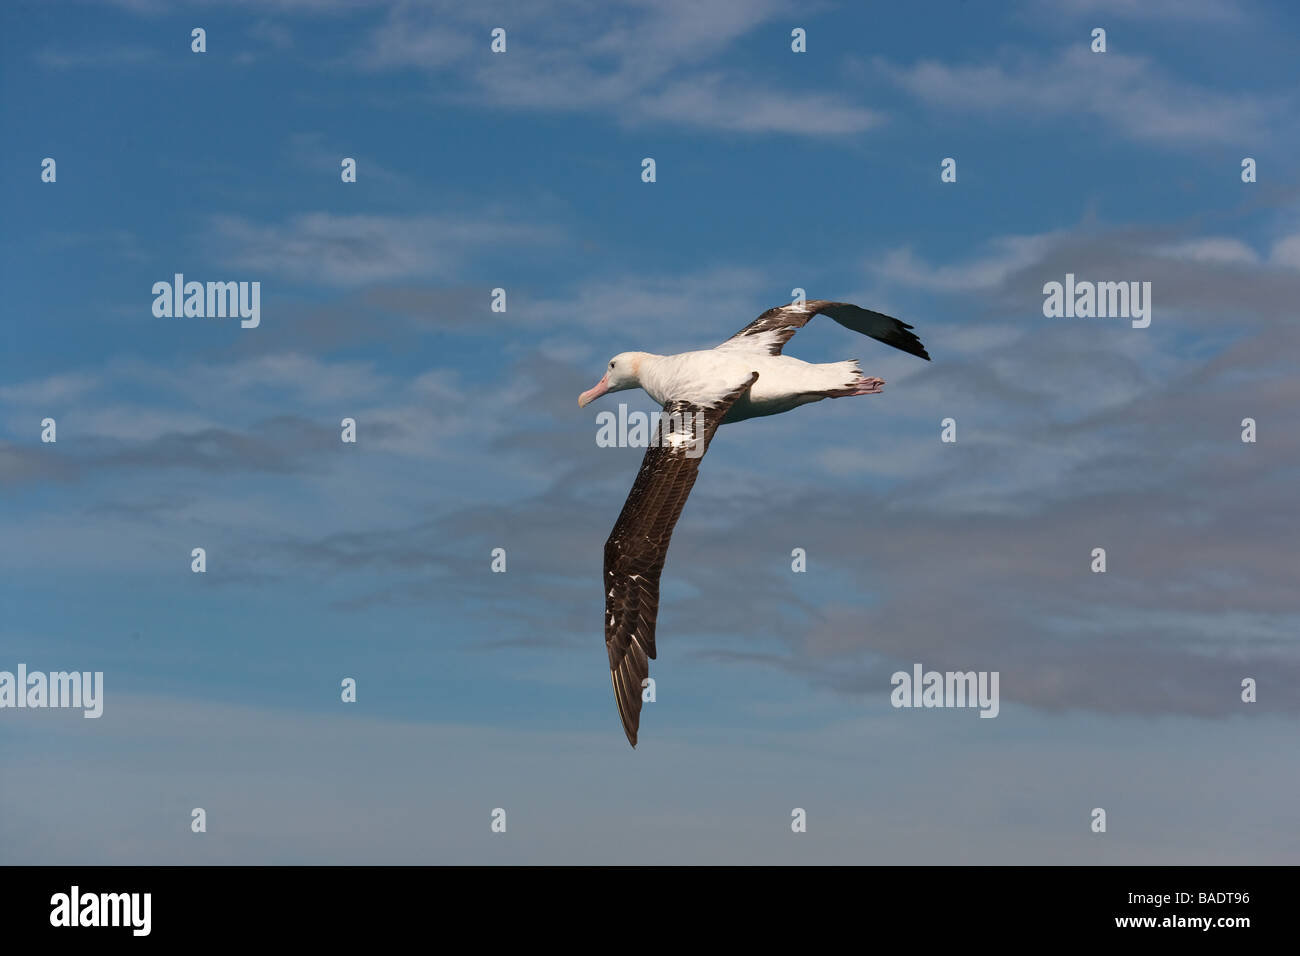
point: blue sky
(775, 170)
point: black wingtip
(912, 347)
(906, 341)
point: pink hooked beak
(593, 393)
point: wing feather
(775, 327)
(638, 545)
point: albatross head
(623, 371)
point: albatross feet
(864, 386)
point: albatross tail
(849, 380)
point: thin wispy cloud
(100, 58)
(1127, 92)
(342, 250)
(1191, 11)
(640, 63)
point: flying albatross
(744, 377)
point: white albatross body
(704, 377)
(744, 377)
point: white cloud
(711, 101)
(1219, 249)
(1127, 92)
(1009, 254)
(354, 250)
(1205, 10)
(1286, 253)
(58, 388)
(658, 313)
(640, 62)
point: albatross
(744, 377)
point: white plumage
(704, 378)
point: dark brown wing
(771, 330)
(638, 545)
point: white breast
(702, 378)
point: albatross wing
(638, 545)
(771, 330)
